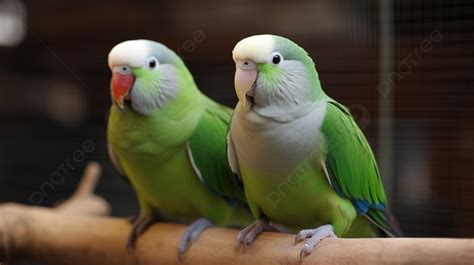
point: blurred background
(405, 68)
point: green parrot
(169, 140)
(305, 165)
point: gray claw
(303, 234)
(315, 236)
(242, 234)
(247, 235)
(192, 234)
(303, 254)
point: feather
(351, 168)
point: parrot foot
(247, 235)
(192, 234)
(139, 226)
(315, 236)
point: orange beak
(120, 86)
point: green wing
(352, 167)
(208, 150)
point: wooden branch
(70, 234)
(84, 201)
(50, 237)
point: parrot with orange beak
(169, 140)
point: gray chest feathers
(274, 147)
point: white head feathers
(134, 53)
(256, 48)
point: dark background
(54, 88)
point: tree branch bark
(84, 201)
(47, 236)
(74, 233)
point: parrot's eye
(152, 63)
(123, 69)
(276, 58)
(246, 64)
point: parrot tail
(393, 224)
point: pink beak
(243, 81)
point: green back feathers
(208, 148)
(352, 166)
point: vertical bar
(386, 90)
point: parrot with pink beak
(169, 140)
(305, 165)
